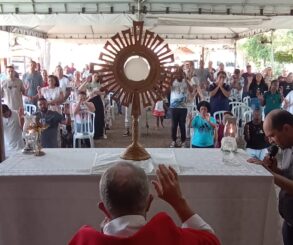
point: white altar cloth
(44, 200)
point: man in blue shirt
(219, 93)
(32, 80)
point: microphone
(273, 150)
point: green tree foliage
(283, 46)
(284, 56)
(257, 50)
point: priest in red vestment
(125, 196)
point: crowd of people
(196, 96)
(126, 199)
(199, 96)
(195, 99)
(59, 98)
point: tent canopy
(173, 19)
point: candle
(231, 130)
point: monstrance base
(135, 152)
(28, 151)
(39, 153)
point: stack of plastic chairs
(246, 100)
(239, 112)
(85, 129)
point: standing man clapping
(12, 90)
(32, 80)
(178, 100)
(219, 93)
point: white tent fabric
(188, 20)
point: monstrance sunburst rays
(136, 42)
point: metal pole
(2, 147)
(202, 54)
(139, 10)
(272, 51)
(235, 54)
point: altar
(45, 200)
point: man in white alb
(12, 128)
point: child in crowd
(221, 126)
(159, 112)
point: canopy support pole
(272, 50)
(202, 54)
(139, 15)
(235, 53)
(2, 147)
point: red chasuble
(159, 230)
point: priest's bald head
(124, 190)
(278, 127)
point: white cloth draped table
(44, 200)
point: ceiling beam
(244, 3)
(24, 31)
(104, 36)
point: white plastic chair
(85, 129)
(219, 116)
(194, 112)
(71, 98)
(247, 117)
(233, 98)
(30, 109)
(246, 100)
(236, 103)
(238, 112)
